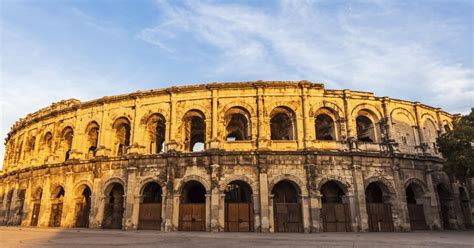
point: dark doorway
(192, 215)
(57, 207)
(445, 200)
(150, 207)
(379, 210)
(287, 208)
(238, 207)
(83, 208)
(416, 211)
(465, 206)
(113, 210)
(335, 211)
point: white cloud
(383, 48)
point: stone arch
(243, 178)
(331, 106)
(416, 181)
(239, 104)
(383, 183)
(345, 186)
(144, 182)
(376, 111)
(194, 130)
(155, 134)
(292, 105)
(283, 124)
(327, 124)
(404, 112)
(122, 127)
(92, 133)
(55, 189)
(189, 178)
(108, 185)
(367, 128)
(79, 186)
(238, 123)
(301, 188)
(146, 117)
(66, 139)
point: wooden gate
(417, 217)
(82, 214)
(192, 217)
(56, 212)
(35, 216)
(380, 217)
(150, 216)
(238, 217)
(288, 217)
(336, 217)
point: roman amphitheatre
(233, 157)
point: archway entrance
(445, 201)
(56, 207)
(150, 207)
(335, 211)
(379, 210)
(238, 207)
(192, 214)
(113, 210)
(83, 206)
(287, 207)
(416, 212)
(36, 206)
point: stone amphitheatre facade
(253, 156)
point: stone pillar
(214, 210)
(208, 211)
(173, 211)
(45, 210)
(27, 205)
(214, 142)
(130, 200)
(262, 135)
(308, 137)
(435, 223)
(68, 213)
(361, 217)
(351, 200)
(256, 211)
(402, 223)
(164, 200)
(264, 204)
(459, 217)
(97, 203)
(271, 214)
(221, 212)
(305, 213)
(315, 211)
(172, 143)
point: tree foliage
(457, 147)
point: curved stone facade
(254, 156)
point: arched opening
(31, 144)
(325, 128)
(445, 201)
(47, 145)
(404, 135)
(56, 207)
(92, 133)
(365, 129)
(237, 122)
(66, 142)
(122, 135)
(83, 206)
(36, 199)
(150, 207)
(287, 207)
(379, 209)
(113, 209)
(335, 210)
(416, 212)
(447, 129)
(194, 131)
(465, 207)
(238, 207)
(192, 215)
(282, 124)
(156, 131)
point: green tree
(457, 147)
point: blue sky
(53, 50)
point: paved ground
(49, 237)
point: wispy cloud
(382, 47)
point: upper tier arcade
(248, 116)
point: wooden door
(238, 217)
(35, 216)
(417, 217)
(380, 217)
(336, 217)
(56, 212)
(288, 217)
(82, 214)
(192, 217)
(150, 216)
